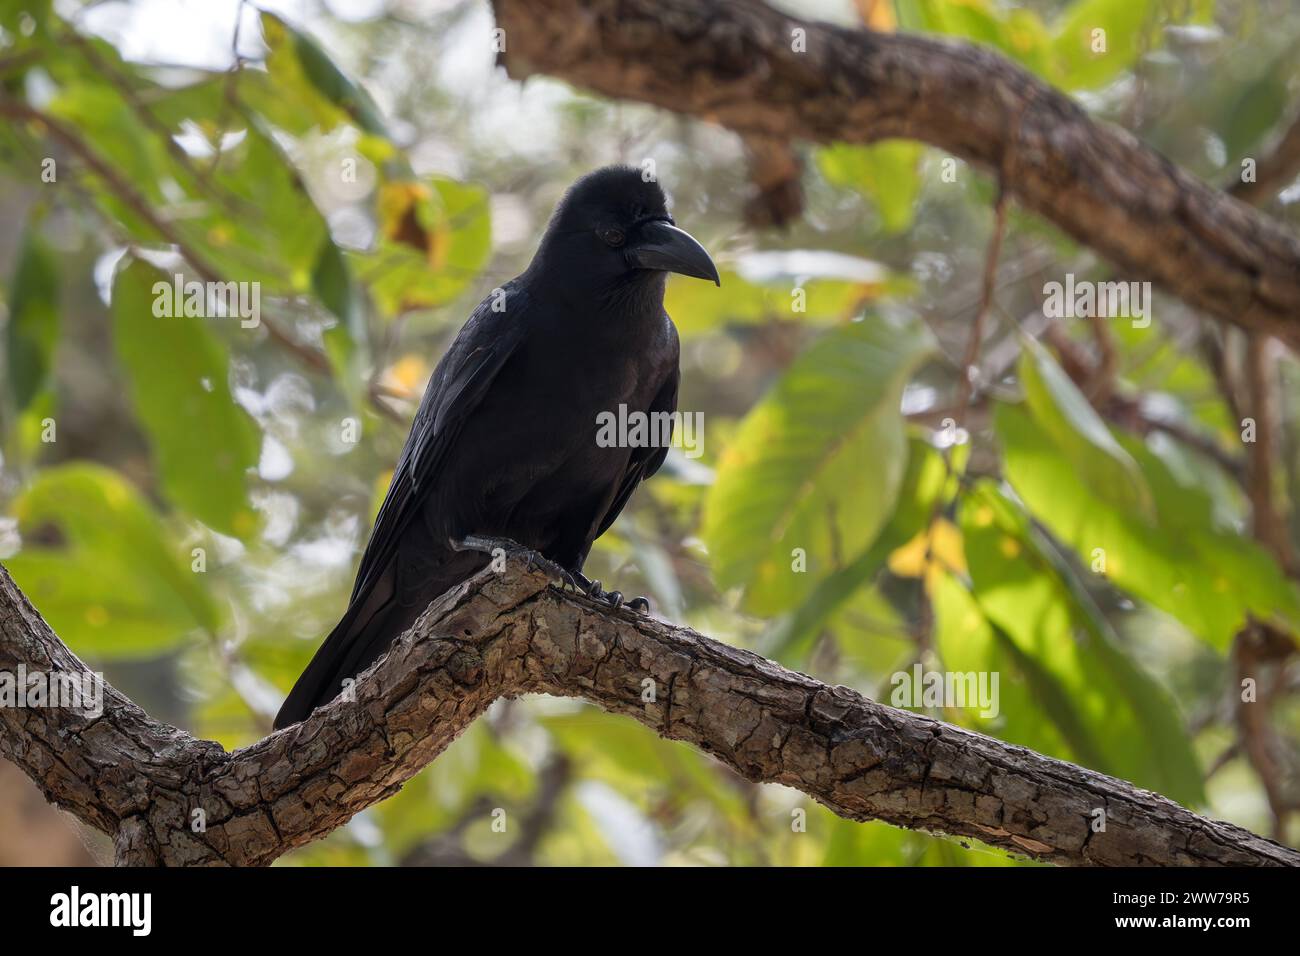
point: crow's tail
(367, 629)
(375, 618)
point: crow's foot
(614, 599)
(534, 560)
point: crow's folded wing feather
(457, 386)
(644, 461)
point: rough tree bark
(140, 780)
(500, 635)
(735, 62)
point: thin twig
(1268, 522)
(969, 364)
(16, 109)
(1274, 172)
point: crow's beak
(661, 245)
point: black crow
(503, 451)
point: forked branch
(499, 635)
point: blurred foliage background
(181, 502)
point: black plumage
(504, 442)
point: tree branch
(120, 185)
(739, 64)
(141, 781)
(1275, 171)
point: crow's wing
(644, 462)
(457, 386)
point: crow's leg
(538, 561)
(534, 560)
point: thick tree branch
(142, 781)
(741, 64)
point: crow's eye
(612, 236)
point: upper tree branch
(500, 635)
(735, 62)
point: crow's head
(613, 225)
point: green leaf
(1161, 365)
(476, 764)
(115, 586)
(203, 442)
(13, 14)
(815, 466)
(105, 122)
(967, 642)
(1119, 720)
(698, 307)
(633, 759)
(1018, 33)
(435, 237)
(1209, 579)
(1092, 42)
(297, 63)
(1257, 108)
(1085, 59)
(873, 843)
(1078, 431)
(331, 280)
(33, 329)
(920, 491)
(249, 217)
(268, 228)
(885, 173)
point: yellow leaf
(937, 548)
(908, 561)
(408, 372)
(878, 15)
(399, 218)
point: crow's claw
(597, 593)
(639, 604)
(614, 599)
